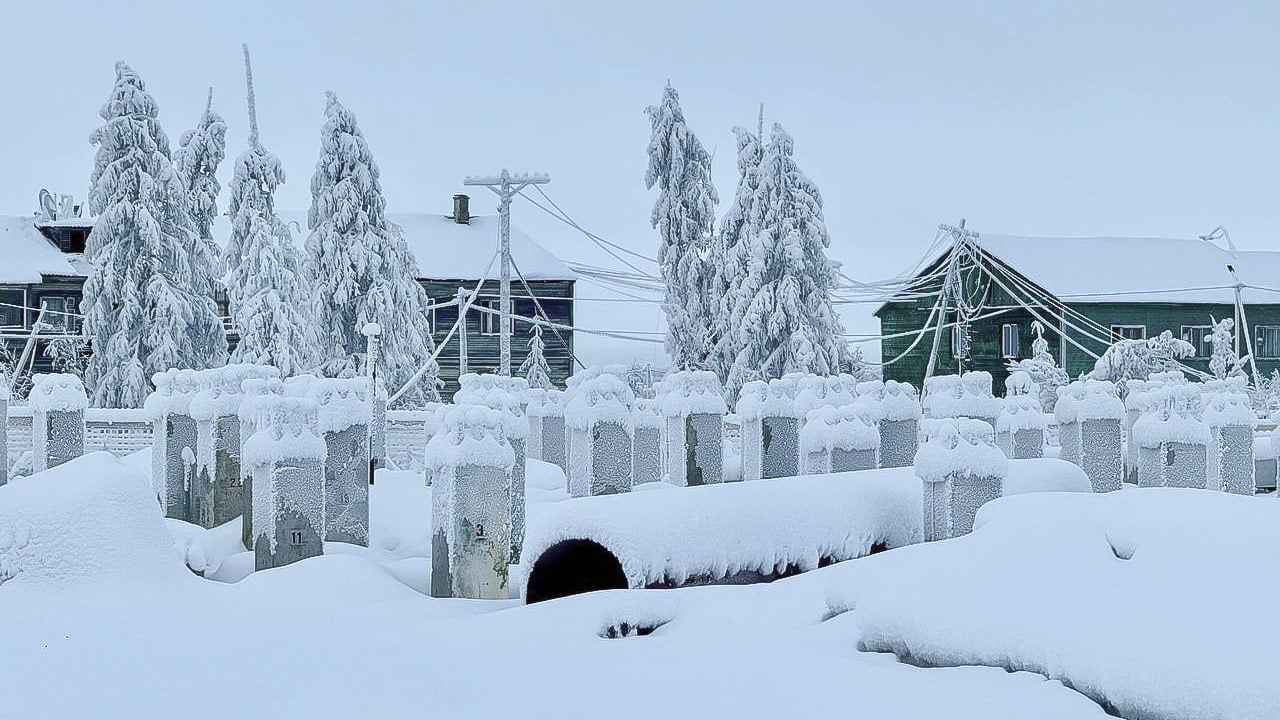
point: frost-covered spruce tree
(684, 216)
(730, 252)
(360, 266)
(141, 307)
(1224, 362)
(535, 368)
(200, 151)
(783, 314)
(269, 302)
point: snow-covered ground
(103, 620)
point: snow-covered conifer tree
(269, 303)
(782, 307)
(361, 267)
(200, 151)
(684, 216)
(142, 309)
(1225, 361)
(535, 368)
(729, 253)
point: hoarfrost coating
(56, 392)
(470, 435)
(959, 446)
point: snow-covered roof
(27, 254)
(1137, 270)
(444, 249)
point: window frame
(489, 317)
(1017, 341)
(1263, 350)
(1117, 333)
(1204, 340)
(22, 312)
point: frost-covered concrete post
(962, 470)
(838, 439)
(1172, 441)
(344, 412)
(1231, 421)
(173, 443)
(286, 459)
(545, 409)
(899, 421)
(471, 464)
(218, 493)
(750, 411)
(57, 404)
(4, 429)
(1091, 420)
(1021, 426)
(256, 395)
(646, 447)
(601, 437)
(505, 395)
(780, 431)
(694, 410)
(1265, 467)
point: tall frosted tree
(730, 251)
(142, 310)
(200, 151)
(269, 303)
(788, 323)
(361, 268)
(684, 216)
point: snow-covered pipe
(58, 402)
(286, 460)
(961, 470)
(472, 464)
(693, 407)
(344, 411)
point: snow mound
(89, 520)
(1139, 599)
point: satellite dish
(48, 205)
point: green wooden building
(42, 267)
(1085, 293)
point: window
(59, 314)
(12, 301)
(1198, 336)
(1009, 340)
(75, 240)
(1268, 341)
(489, 320)
(1128, 332)
(959, 342)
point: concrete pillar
(219, 487)
(57, 404)
(344, 410)
(1265, 466)
(1231, 421)
(1021, 426)
(505, 395)
(961, 470)
(1101, 455)
(750, 409)
(286, 459)
(174, 438)
(646, 446)
(1173, 442)
(256, 395)
(693, 408)
(472, 465)
(600, 426)
(545, 410)
(838, 440)
(4, 429)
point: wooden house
(1085, 293)
(42, 266)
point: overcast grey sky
(1080, 118)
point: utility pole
(505, 185)
(950, 285)
(462, 332)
